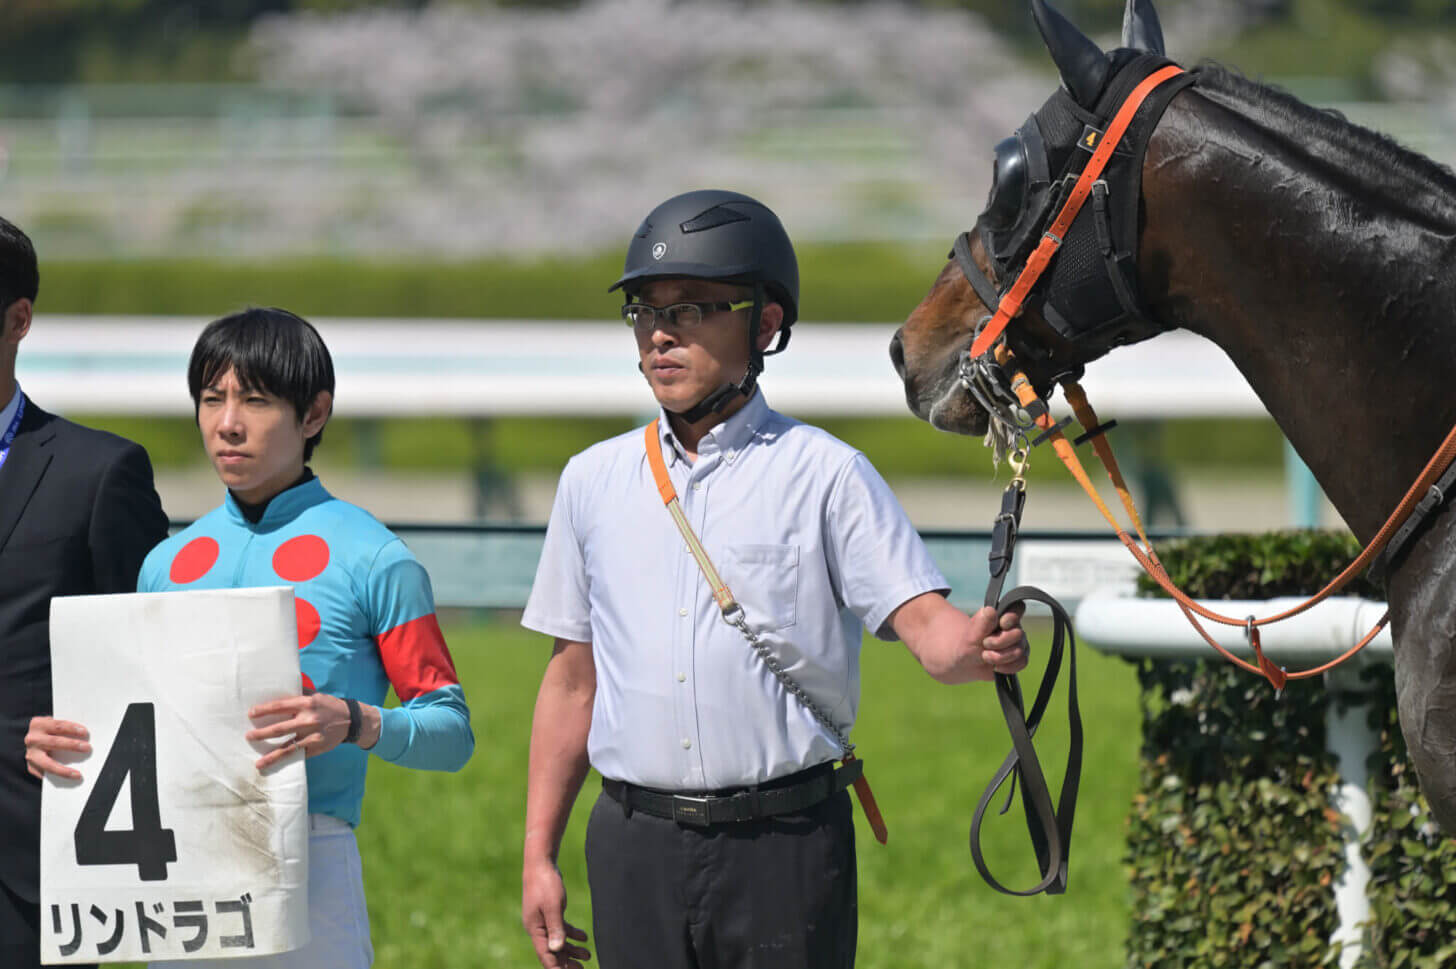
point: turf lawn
(442, 852)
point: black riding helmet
(722, 236)
(713, 234)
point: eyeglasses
(687, 315)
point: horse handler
(705, 580)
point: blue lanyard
(10, 432)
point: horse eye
(1008, 183)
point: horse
(1320, 256)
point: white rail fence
(485, 368)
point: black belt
(786, 795)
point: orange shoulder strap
(721, 595)
(730, 608)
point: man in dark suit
(78, 513)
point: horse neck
(1333, 300)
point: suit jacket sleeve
(126, 521)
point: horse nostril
(897, 354)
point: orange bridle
(1051, 240)
(1148, 559)
(988, 340)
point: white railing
(483, 368)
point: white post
(1349, 737)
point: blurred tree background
(454, 129)
(99, 41)
(474, 158)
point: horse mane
(1379, 159)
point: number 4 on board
(147, 845)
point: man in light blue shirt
(723, 836)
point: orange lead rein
(1148, 560)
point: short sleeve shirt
(807, 536)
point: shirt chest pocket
(765, 581)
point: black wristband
(356, 720)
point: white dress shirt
(8, 414)
(813, 545)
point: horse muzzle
(935, 392)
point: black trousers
(776, 893)
(19, 932)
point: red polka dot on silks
(308, 621)
(300, 559)
(193, 561)
(308, 686)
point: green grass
(442, 852)
(442, 856)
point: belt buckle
(690, 810)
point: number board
(173, 845)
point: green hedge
(1233, 847)
(1412, 864)
(839, 282)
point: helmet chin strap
(716, 401)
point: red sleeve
(416, 658)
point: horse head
(1319, 255)
(1069, 321)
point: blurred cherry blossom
(538, 130)
(458, 130)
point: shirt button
(687, 744)
(697, 486)
(682, 612)
(682, 677)
(731, 455)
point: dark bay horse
(1321, 257)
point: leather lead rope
(1050, 827)
(734, 616)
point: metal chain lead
(733, 616)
